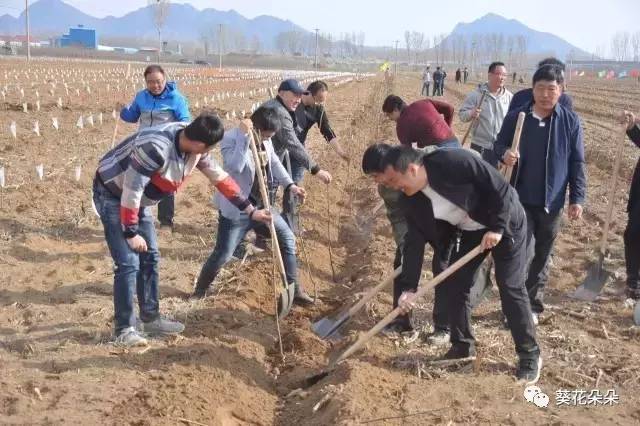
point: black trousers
(509, 258)
(167, 210)
(632, 250)
(487, 154)
(542, 230)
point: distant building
(18, 41)
(79, 37)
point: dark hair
(548, 73)
(265, 119)
(495, 65)
(317, 86)
(373, 156)
(206, 128)
(392, 103)
(400, 157)
(437, 68)
(153, 68)
(552, 61)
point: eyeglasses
(158, 82)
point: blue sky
(586, 24)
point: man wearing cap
(286, 138)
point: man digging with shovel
(453, 191)
(233, 225)
(632, 232)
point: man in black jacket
(459, 192)
(632, 232)
(372, 165)
(311, 111)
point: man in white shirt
(481, 208)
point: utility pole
(26, 13)
(316, 61)
(220, 46)
(396, 60)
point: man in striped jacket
(135, 175)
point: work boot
(438, 338)
(529, 370)
(162, 325)
(460, 351)
(302, 298)
(130, 337)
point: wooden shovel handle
(265, 200)
(421, 292)
(371, 293)
(515, 144)
(473, 123)
(613, 185)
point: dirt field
(57, 363)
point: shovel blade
(636, 314)
(285, 300)
(590, 288)
(327, 328)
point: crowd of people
(434, 191)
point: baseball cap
(292, 85)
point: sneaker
(529, 370)
(534, 318)
(460, 351)
(130, 337)
(438, 338)
(162, 325)
(302, 298)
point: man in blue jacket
(159, 103)
(550, 158)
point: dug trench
(55, 323)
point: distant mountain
(537, 42)
(184, 23)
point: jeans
(132, 270)
(425, 89)
(542, 230)
(231, 233)
(291, 204)
(436, 88)
(509, 261)
(167, 209)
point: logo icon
(534, 394)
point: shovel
(597, 276)
(327, 327)
(636, 314)
(310, 381)
(287, 292)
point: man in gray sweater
(490, 114)
(286, 140)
